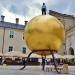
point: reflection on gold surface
(44, 32)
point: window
(23, 36)
(11, 34)
(24, 50)
(10, 48)
(71, 51)
(59, 19)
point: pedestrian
(43, 63)
(24, 62)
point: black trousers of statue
(43, 11)
(43, 67)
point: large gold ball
(44, 32)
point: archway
(71, 51)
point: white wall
(1, 38)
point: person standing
(24, 63)
(43, 9)
(43, 63)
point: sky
(27, 9)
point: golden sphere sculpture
(44, 32)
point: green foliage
(72, 61)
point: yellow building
(69, 25)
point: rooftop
(64, 15)
(11, 25)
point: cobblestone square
(30, 70)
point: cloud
(67, 9)
(70, 8)
(10, 17)
(27, 9)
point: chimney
(2, 18)
(26, 22)
(17, 20)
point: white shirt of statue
(44, 6)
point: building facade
(69, 26)
(12, 37)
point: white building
(11, 37)
(69, 26)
